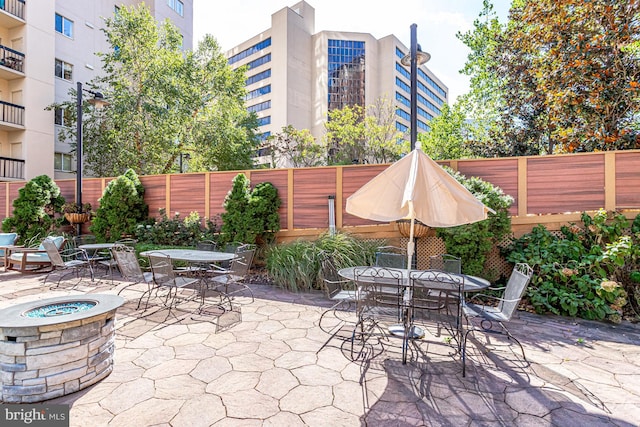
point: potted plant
(75, 213)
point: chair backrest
(162, 269)
(241, 264)
(207, 245)
(332, 281)
(8, 239)
(128, 263)
(445, 262)
(381, 288)
(53, 253)
(127, 241)
(435, 289)
(516, 286)
(391, 257)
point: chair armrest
(491, 297)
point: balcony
(11, 13)
(11, 116)
(11, 169)
(11, 63)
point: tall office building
(45, 48)
(295, 75)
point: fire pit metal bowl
(56, 346)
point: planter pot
(77, 218)
(419, 229)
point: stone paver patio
(276, 368)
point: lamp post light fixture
(98, 102)
(413, 59)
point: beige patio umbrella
(416, 188)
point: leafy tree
(296, 148)
(164, 102)
(446, 139)
(122, 207)
(263, 209)
(35, 209)
(485, 101)
(359, 135)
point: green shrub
(35, 209)
(473, 242)
(250, 216)
(122, 207)
(586, 271)
(296, 265)
(176, 231)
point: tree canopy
(163, 102)
(561, 77)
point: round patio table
(95, 246)
(192, 255)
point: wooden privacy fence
(546, 189)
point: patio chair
(221, 279)
(33, 260)
(207, 245)
(67, 261)
(498, 315)
(381, 308)
(335, 288)
(6, 240)
(445, 262)
(130, 269)
(437, 296)
(391, 257)
(109, 262)
(164, 278)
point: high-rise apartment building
(45, 48)
(295, 75)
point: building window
(258, 92)
(263, 136)
(401, 113)
(64, 70)
(263, 121)
(257, 77)
(258, 62)
(259, 107)
(402, 85)
(422, 125)
(63, 162)
(250, 51)
(403, 100)
(402, 127)
(176, 5)
(346, 73)
(64, 25)
(62, 116)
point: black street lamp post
(98, 102)
(415, 58)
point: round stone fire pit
(56, 346)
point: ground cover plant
(589, 270)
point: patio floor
(274, 369)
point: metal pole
(414, 85)
(79, 151)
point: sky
(438, 21)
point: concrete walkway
(274, 367)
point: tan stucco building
(296, 75)
(46, 47)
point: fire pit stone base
(48, 357)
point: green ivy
(586, 271)
(473, 242)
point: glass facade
(259, 107)
(346, 73)
(258, 62)
(262, 121)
